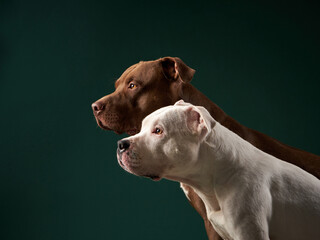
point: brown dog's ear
(174, 67)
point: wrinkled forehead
(166, 116)
(141, 70)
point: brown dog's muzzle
(98, 109)
(112, 113)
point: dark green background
(59, 174)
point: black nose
(123, 145)
(97, 106)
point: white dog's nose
(123, 145)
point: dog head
(140, 90)
(168, 143)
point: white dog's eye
(157, 131)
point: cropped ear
(196, 123)
(174, 67)
(182, 103)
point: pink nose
(97, 107)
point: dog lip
(101, 125)
(119, 157)
(129, 132)
(153, 177)
(128, 166)
(121, 163)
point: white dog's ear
(197, 122)
(182, 103)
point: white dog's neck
(221, 157)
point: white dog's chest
(215, 217)
(218, 222)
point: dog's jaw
(131, 163)
(100, 124)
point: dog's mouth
(152, 177)
(129, 169)
(130, 131)
(124, 166)
(121, 163)
(100, 124)
(104, 127)
(126, 163)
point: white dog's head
(168, 142)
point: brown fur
(163, 82)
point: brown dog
(147, 86)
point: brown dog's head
(140, 90)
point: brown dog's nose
(97, 106)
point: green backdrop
(59, 174)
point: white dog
(248, 194)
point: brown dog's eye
(132, 86)
(158, 131)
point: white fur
(248, 194)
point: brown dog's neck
(304, 160)
(192, 95)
